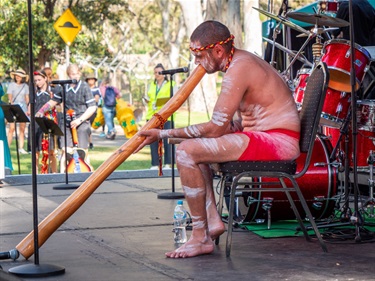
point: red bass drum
(318, 185)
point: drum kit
(333, 151)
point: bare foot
(216, 227)
(215, 232)
(192, 248)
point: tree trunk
(252, 28)
(234, 21)
(204, 97)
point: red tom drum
(335, 108)
(336, 54)
(300, 85)
(365, 144)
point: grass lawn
(138, 161)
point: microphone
(173, 71)
(61, 82)
(12, 254)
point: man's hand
(151, 135)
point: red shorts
(277, 144)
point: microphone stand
(36, 269)
(173, 194)
(356, 218)
(67, 185)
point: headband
(210, 46)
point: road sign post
(67, 26)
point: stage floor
(123, 230)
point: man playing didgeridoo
(267, 128)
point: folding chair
(279, 171)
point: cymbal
(283, 20)
(301, 58)
(318, 19)
(318, 31)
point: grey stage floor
(123, 231)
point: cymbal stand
(370, 202)
(276, 31)
(309, 37)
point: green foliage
(47, 44)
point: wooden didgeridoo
(55, 219)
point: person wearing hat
(91, 81)
(18, 93)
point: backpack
(110, 97)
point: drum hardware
(318, 19)
(319, 31)
(276, 31)
(371, 202)
(283, 20)
(323, 164)
(368, 82)
(309, 37)
(266, 205)
(317, 48)
(293, 54)
(318, 202)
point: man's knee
(184, 156)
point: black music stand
(36, 269)
(173, 194)
(48, 127)
(14, 113)
(67, 185)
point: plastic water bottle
(179, 223)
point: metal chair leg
(309, 216)
(294, 208)
(230, 217)
(220, 203)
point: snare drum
(336, 54)
(300, 85)
(320, 181)
(335, 108)
(366, 114)
(329, 6)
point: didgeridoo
(55, 219)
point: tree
(47, 44)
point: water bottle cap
(180, 202)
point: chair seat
(283, 166)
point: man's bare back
(266, 102)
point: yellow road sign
(67, 26)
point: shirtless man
(267, 128)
